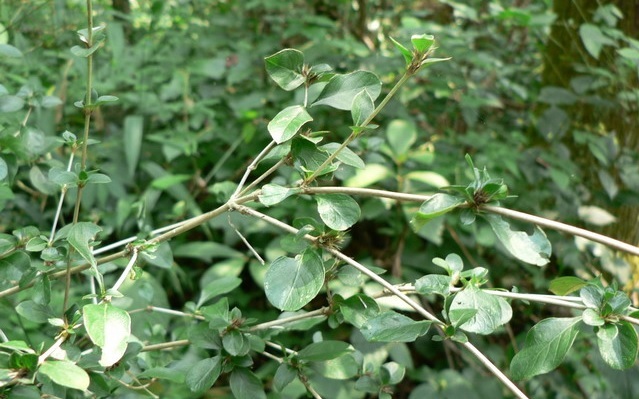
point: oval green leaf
(618, 345)
(338, 211)
(534, 249)
(203, 374)
(291, 283)
(246, 385)
(341, 90)
(394, 327)
(545, 348)
(437, 205)
(287, 123)
(66, 374)
(492, 311)
(109, 328)
(284, 68)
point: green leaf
(4, 169)
(358, 309)
(217, 287)
(84, 52)
(202, 336)
(401, 135)
(341, 90)
(406, 53)
(285, 67)
(164, 373)
(592, 296)
(246, 385)
(287, 123)
(133, 125)
(391, 326)
(236, 343)
(437, 205)
(80, 236)
(203, 374)
(422, 43)
(534, 249)
(344, 367)
(618, 345)
(338, 211)
(593, 39)
(492, 311)
(34, 312)
(109, 328)
(284, 375)
(433, 284)
(8, 50)
(566, 285)
(10, 103)
(545, 348)
(362, 107)
(324, 350)
(66, 374)
(346, 155)
(272, 194)
(592, 317)
(392, 373)
(169, 180)
(291, 283)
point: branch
(363, 269)
(543, 222)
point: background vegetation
(544, 95)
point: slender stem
(566, 228)
(291, 319)
(496, 371)
(543, 222)
(166, 345)
(85, 141)
(346, 259)
(363, 269)
(252, 167)
(356, 132)
(263, 176)
(52, 349)
(127, 270)
(63, 193)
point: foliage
(260, 204)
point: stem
(543, 222)
(85, 141)
(566, 228)
(252, 167)
(63, 193)
(496, 371)
(337, 254)
(363, 269)
(291, 319)
(263, 176)
(127, 270)
(356, 133)
(166, 345)
(52, 349)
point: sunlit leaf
(545, 348)
(66, 374)
(341, 90)
(285, 68)
(109, 328)
(338, 211)
(534, 249)
(285, 125)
